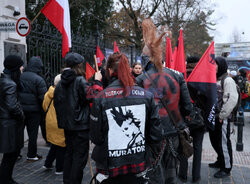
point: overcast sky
(231, 15)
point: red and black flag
(202, 85)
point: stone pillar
(11, 42)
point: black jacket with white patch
(121, 126)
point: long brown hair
(79, 69)
(153, 42)
(120, 65)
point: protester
(33, 88)
(71, 100)
(242, 83)
(220, 137)
(11, 117)
(197, 134)
(170, 86)
(137, 69)
(123, 121)
(54, 135)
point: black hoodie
(222, 66)
(33, 86)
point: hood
(222, 66)
(51, 92)
(68, 76)
(35, 65)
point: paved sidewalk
(33, 173)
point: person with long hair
(124, 119)
(170, 86)
(72, 96)
(137, 69)
(11, 117)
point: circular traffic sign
(23, 26)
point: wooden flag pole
(35, 17)
(96, 65)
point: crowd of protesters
(133, 120)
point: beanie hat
(13, 63)
(72, 59)
(57, 79)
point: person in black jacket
(71, 100)
(11, 117)
(170, 86)
(33, 88)
(124, 119)
(197, 133)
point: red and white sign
(23, 26)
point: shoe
(59, 172)
(182, 178)
(19, 157)
(214, 165)
(196, 180)
(221, 174)
(47, 168)
(36, 158)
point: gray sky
(231, 15)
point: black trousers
(32, 122)
(166, 172)
(7, 166)
(220, 140)
(76, 156)
(55, 153)
(124, 179)
(197, 145)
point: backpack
(236, 108)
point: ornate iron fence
(45, 41)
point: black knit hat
(13, 63)
(72, 59)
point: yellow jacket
(54, 134)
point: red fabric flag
(89, 71)
(202, 85)
(116, 49)
(174, 55)
(168, 56)
(180, 63)
(99, 56)
(57, 12)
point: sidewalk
(33, 173)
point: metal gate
(45, 41)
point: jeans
(55, 152)
(76, 155)
(7, 166)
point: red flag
(168, 56)
(116, 49)
(202, 84)
(57, 12)
(174, 55)
(99, 56)
(89, 71)
(180, 63)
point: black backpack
(236, 108)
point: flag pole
(35, 17)
(96, 66)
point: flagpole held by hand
(96, 66)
